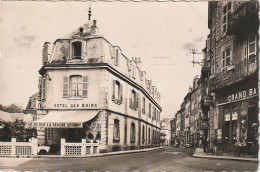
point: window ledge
(230, 67)
(75, 98)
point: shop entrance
(74, 135)
(252, 132)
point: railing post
(62, 147)
(98, 146)
(83, 147)
(34, 144)
(91, 151)
(13, 141)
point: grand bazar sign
(241, 95)
(75, 106)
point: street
(169, 159)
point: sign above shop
(55, 125)
(75, 106)
(241, 95)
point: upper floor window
(117, 92)
(250, 46)
(75, 86)
(226, 57)
(117, 58)
(149, 110)
(116, 131)
(133, 100)
(154, 113)
(76, 50)
(226, 17)
(143, 106)
(43, 88)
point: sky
(160, 33)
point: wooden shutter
(112, 52)
(85, 86)
(137, 101)
(121, 93)
(43, 88)
(65, 86)
(113, 89)
(130, 100)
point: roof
(77, 34)
(11, 117)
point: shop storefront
(238, 122)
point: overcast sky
(161, 34)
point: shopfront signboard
(241, 95)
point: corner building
(89, 89)
(233, 82)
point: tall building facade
(89, 89)
(233, 82)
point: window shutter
(85, 86)
(112, 53)
(113, 89)
(40, 88)
(43, 88)
(121, 93)
(130, 100)
(137, 101)
(65, 86)
(84, 50)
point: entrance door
(252, 133)
(74, 135)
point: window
(154, 113)
(143, 135)
(117, 92)
(117, 58)
(150, 108)
(133, 100)
(49, 133)
(116, 134)
(132, 134)
(149, 134)
(143, 106)
(250, 48)
(76, 50)
(226, 58)
(75, 86)
(43, 88)
(226, 17)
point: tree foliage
(17, 130)
(13, 108)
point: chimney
(45, 53)
(94, 28)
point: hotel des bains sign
(75, 105)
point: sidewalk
(200, 154)
(90, 155)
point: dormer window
(76, 50)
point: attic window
(76, 50)
(81, 30)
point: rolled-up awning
(65, 119)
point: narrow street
(169, 159)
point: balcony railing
(234, 74)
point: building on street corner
(88, 89)
(233, 81)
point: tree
(17, 130)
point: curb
(225, 158)
(87, 156)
